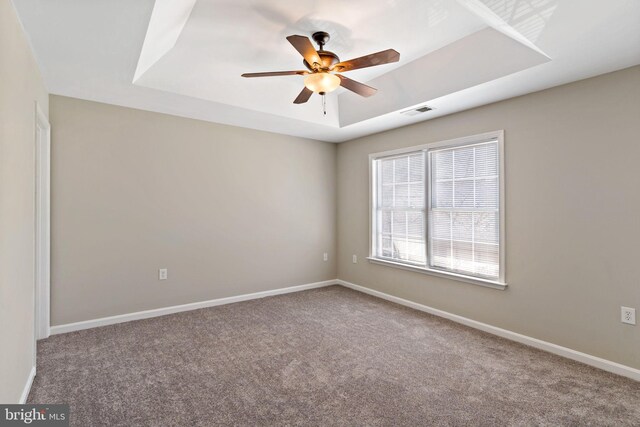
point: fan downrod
(321, 38)
(327, 58)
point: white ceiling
(185, 57)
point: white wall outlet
(326, 256)
(355, 259)
(628, 315)
(163, 274)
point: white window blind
(464, 226)
(437, 209)
(400, 209)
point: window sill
(438, 273)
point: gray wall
(232, 211)
(572, 216)
(228, 211)
(20, 87)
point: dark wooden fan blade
(357, 87)
(379, 58)
(303, 96)
(306, 49)
(275, 73)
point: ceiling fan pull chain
(324, 104)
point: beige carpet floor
(329, 356)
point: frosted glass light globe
(322, 82)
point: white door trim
(42, 225)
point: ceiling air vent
(416, 111)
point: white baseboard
(104, 321)
(585, 358)
(27, 386)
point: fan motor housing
(327, 59)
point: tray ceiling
(185, 57)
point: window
(402, 208)
(439, 209)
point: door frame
(42, 225)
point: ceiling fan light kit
(322, 83)
(323, 67)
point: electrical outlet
(355, 259)
(326, 256)
(163, 274)
(628, 315)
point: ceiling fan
(323, 67)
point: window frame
(408, 209)
(500, 282)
